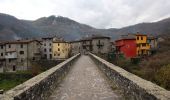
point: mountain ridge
(13, 28)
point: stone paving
(85, 82)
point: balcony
(144, 47)
(11, 55)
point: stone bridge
(86, 77)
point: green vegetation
(10, 80)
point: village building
(46, 48)
(2, 56)
(101, 44)
(75, 47)
(19, 54)
(135, 45)
(126, 46)
(143, 47)
(86, 45)
(153, 41)
(95, 44)
(61, 49)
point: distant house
(126, 46)
(135, 45)
(19, 54)
(46, 48)
(2, 56)
(86, 44)
(75, 47)
(95, 44)
(61, 49)
(153, 41)
(101, 44)
(143, 47)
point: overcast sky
(97, 13)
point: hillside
(13, 28)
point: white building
(47, 48)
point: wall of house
(61, 50)
(22, 56)
(75, 48)
(128, 48)
(104, 49)
(141, 39)
(47, 44)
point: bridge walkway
(85, 82)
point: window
(58, 49)
(58, 44)
(45, 50)
(54, 54)
(58, 54)
(50, 50)
(137, 38)
(14, 68)
(33, 58)
(44, 44)
(45, 55)
(2, 54)
(21, 45)
(1, 46)
(9, 60)
(141, 38)
(143, 45)
(50, 56)
(9, 46)
(50, 44)
(21, 52)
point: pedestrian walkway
(85, 82)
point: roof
(47, 37)
(20, 41)
(99, 37)
(75, 41)
(140, 34)
(59, 41)
(126, 37)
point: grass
(10, 80)
(8, 84)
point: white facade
(47, 48)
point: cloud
(97, 13)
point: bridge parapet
(135, 88)
(40, 86)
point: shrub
(163, 77)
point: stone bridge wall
(40, 86)
(135, 88)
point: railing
(40, 86)
(135, 88)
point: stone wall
(135, 88)
(40, 86)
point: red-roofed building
(126, 46)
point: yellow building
(143, 47)
(61, 49)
